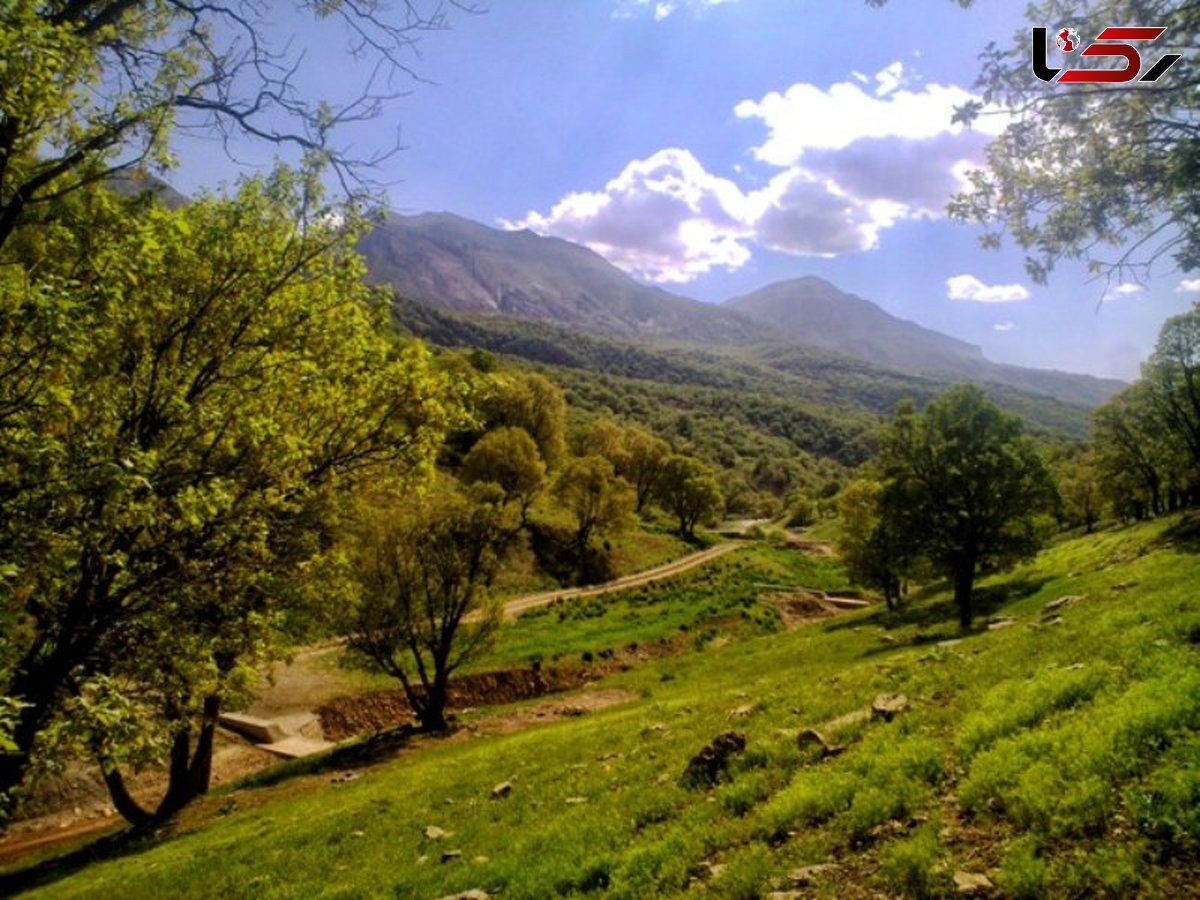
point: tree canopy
(964, 485)
(1105, 173)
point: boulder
(972, 884)
(888, 706)
(706, 767)
(503, 789)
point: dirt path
(683, 564)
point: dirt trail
(683, 564)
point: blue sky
(715, 146)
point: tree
(965, 485)
(96, 87)
(688, 489)
(186, 394)
(1127, 443)
(595, 497)
(643, 463)
(1102, 172)
(532, 402)
(509, 458)
(1081, 491)
(875, 552)
(422, 568)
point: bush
(913, 867)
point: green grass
(1061, 759)
(719, 600)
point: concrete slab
(260, 731)
(296, 747)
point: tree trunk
(123, 801)
(964, 581)
(201, 768)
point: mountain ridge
(453, 263)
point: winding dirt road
(513, 607)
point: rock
(433, 833)
(575, 801)
(1123, 586)
(887, 639)
(1066, 600)
(785, 895)
(480, 860)
(742, 712)
(949, 643)
(473, 894)
(451, 855)
(972, 884)
(503, 789)
(810, 737)
(343, 778)
(887, 706)
(706, 767)
(997, 624)
(804, 877)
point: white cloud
(1006, 325)
(968, 287)
(806, 117)
(661, 9)
(1188, 286)
(663, 218)
(844, 163)
(1128, 287)
(889, 78)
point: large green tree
(1105, 173)
(965, 486)
(185, 395)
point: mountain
(812, 311)
(453, 263)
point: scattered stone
(972, 884)
(1075, 667)
(887, 639)
(949, 643)
(888, 706)
(451, 855)
(1123, 586)
(804, 877)
(572, 711)
(742, 712)
(421, 860)
(785, 895)
(503, 789)
(810, 737)
(575, 801)
(473, 894)
(1052, 619)
(706, 767)
(480, 860)
(1066, 600)
(344, 777)
(433, 833)
(997, 624)
(660, 727)
(358, 834)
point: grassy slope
(1061, 758)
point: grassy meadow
(1054, 751)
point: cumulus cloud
(1124, 289)
(806, 117)
(664, 218)
(1006, 325)
(1188, 286)
(968, 287)
(844, 163)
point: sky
(712, 147)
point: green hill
(1054, 752)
